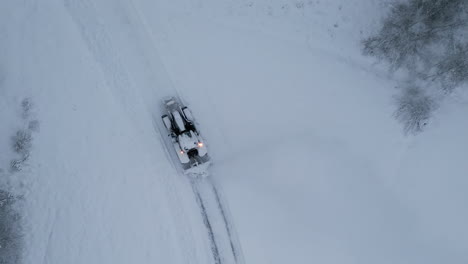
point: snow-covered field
(309, 163)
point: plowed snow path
(224, 242)
(107, 49)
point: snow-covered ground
(310, 165)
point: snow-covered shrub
(21, 144)
(17, 164)
(10, 230)
(414, 109)
(26, 106)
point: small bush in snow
(27, 106)
(414, 109)
(10, 230)
(17, 164)
(21, 144)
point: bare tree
(426, 38)
(452, 70)
(412, 28)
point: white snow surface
(299, 126)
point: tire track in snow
(48, 248)
(225, 245)
(98, 41)
(206, 221)
(236, 250)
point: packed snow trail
(225, 246)
(99, 40)
(206, 221)
(231, 232)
